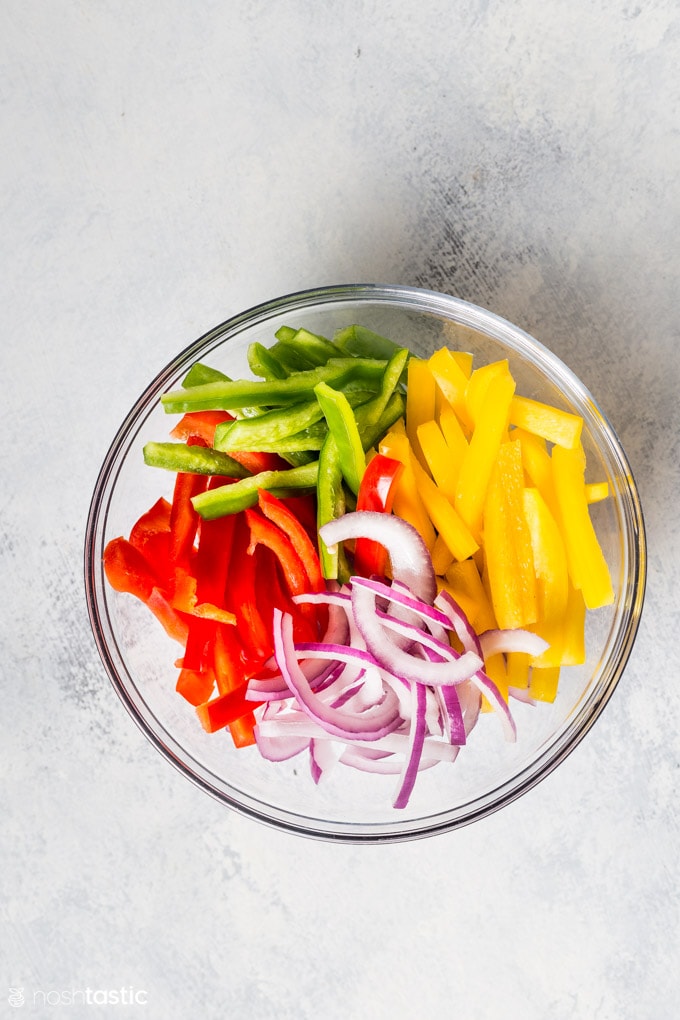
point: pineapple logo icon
(16, 997)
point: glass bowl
(349, 806)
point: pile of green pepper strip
(319, 404)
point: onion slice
(409, 556)
(370, 725)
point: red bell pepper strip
(245, 600)
(152, 537)
(183, 518)
(376, 492)
(265, 532)
(127, 570)
(201, 424)
(196, 686)
(226, 709)
(277, 511)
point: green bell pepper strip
(200, 374)
(230, 498)
(263, 363)
(228, 395)
(269, 428)
(285, 333)
(197, 460)
(390, 380)
(313, 348)
(343, 427)
(331, 503)
(364, 343)
(371, 433)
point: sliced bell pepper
(550, 423)
(330, 503)
(193, 459)
(491, 418)
(507, 543)
(264, 532)
(280, 514)
(343, 427)
(407, 500)
(587, 565)
(127, 570)
(229, 499)
(225, 709)
(201, 424)
(452, 381)
(151, 535)
(376, 492)
(231, 395)
(420, 401)
(552, 576)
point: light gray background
(166, 165)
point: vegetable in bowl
(366, 550)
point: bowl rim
(459, 311)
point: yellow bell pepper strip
(478, 383)
(517, 669)
(480, 456)
(455, 438)
(229, 499)
(597, 491)
(587, 566)
(507, 543)
(543, 683)
(537, 465)
(452, 380)
(443, 515)
(560, 427)
(407, 501)
(573, 638)
(464, 361)
(438, 457)
(552, 576)
(442, 557)
(420, 401)
(343, 427)
(464, 583)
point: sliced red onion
(491, 692)
(387, 766)
(454, 723)
(521, 694)
(409, 556)
(370, 725)
(279, 748)
(459, 622)
(495, 641)
(409, 773)
(398, 661)
(399, 594)
(323, 756)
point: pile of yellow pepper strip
(495, 484)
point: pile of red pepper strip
(214, 584)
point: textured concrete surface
(165, 165)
